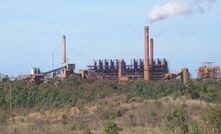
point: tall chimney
(64, 59)
(151, 52)
(146, 54)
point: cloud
(179, 7)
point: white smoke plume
(179, 7)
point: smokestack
(146, 54)
(64, 59)
(151, 51)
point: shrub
(213, 117)
(64, 117)
(178, 118)
(111, 128)
(87, 131)
(3, 119)
(57, 93)
(195, 129)
(204, 90)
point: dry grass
(133, 116)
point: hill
(70, 106)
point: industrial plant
(63, 72)
(147, 68)
(208, 70)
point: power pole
(52, 64)
(10, 96)
(52, 60)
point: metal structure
(63, 72)
(117, 69)
(208, 70)
(183, 74)
(147, 68)
(114, 69)
(3, 77)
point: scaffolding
(208, 70)
(109, 69)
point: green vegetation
(178, 119)
(56, 93)
(213, 117)
(209, 90)
(135, 106)
(87, 131)
(111, 128)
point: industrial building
(62, 72)
(208, 70)
(147, 68)
(117, 69)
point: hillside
(141, 107)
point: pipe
(218, 72)
(186, 75)
(151, 51)
(146, 54)
(64, 59)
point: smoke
(179, 7)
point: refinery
(147, 68)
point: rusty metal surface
(208, 70)
(184, 75)
(117, 69)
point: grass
(136, 106)
(143, 117)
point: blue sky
(98, 29)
